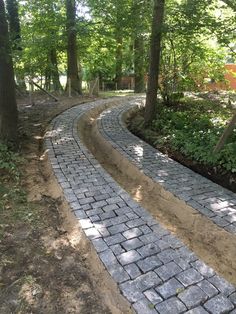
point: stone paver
(210, 199)
(154, 270)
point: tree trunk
(139, 85)
(154, 67)
(47, 83)
(55, 73)
(226, 134)
(72, 60)
(8, 107)
(119, 59)
(138, 13)
(51, 72)
(14, 24)
(15, 36)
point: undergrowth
(14, 207)
(193, 127)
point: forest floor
(46, 265)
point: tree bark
(138, 13)
(55, 73)
(72, 59)
(14, 24)
(154, 66)
(52, 78)
(139, 71)
(8, 107)
(119, 59)
(226, 134)
(15, 37)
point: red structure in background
(230, 77)
(127, 82)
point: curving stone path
(210, 199)
(155, 271)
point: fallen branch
(49, 94)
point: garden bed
(188, 132)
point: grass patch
(120, 93)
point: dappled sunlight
(140, 102)
(38, 137)
(44, 155)
(53, 244)
(138, 149)
(103, 114)
(31, 291)
(64, 140)
(137, 193)
(162, 173)
(75, 236)
(54, 133)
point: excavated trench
(212, 244)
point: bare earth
(213, 245)
(49, 266)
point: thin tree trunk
(226, 134)
(47, 83)
(138, 39)
(54, 72)
(139, 64)
(8, 107)
(119, 59)
(72, 60)
(155, 53)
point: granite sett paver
(153, 269)
(208, 198)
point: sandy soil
(50, 267)
(212, 244)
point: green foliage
(43, 29)
(193, 50)
(13, 199)
(198, 38)
(14, 206)
(9, 161)
(194, 128)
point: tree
(154, 67)
(226, 134)
(72, 58)
(15, 38)
(139, 68)
(8, 107)
(140, 26)
(43, 45)
(14, 24)
(51, 71)
(111, 29)
(231, 4)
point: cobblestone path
(154, 270)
